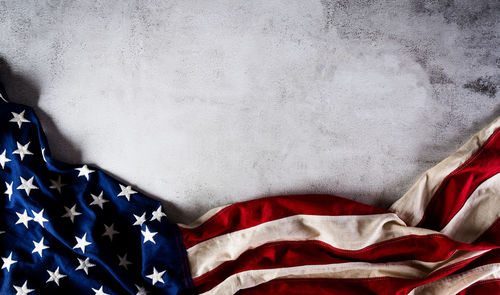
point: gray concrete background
(203, 103)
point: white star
(148, 236)
(18, 118)
(3, 159)
(126, 191)
(141, 290)
(8, 191)
(8, 261)
(110, 231)
(84, 171)
(57, 184)
(81, 242)
(156, 276)
(38, 217)
(27, 185)
(99, 292)
(140, 220)
(158, 214)
(98, 200)
(123, 261)
(39, 247)
(23, 218)
(55, 276)
(71, 213)
(85, 265)
(24, 289)
(22, 150)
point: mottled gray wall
(201, 103)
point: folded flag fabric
(73, 228)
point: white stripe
(203, 218)
(411, 269)
(453, 284)
(479, 212)
(411, 206)
(348, 232)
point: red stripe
(383, 285)
(483, 287)
(251, 213)
(431, 248)
(459, 185)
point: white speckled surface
(202, 103)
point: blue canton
(73, 229)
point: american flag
(73, 229)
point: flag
(441, 237)
(73, 229)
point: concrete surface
(202, 103)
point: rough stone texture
(202, 103)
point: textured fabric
(442, 237)
(72, 229)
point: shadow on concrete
(22, 89)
